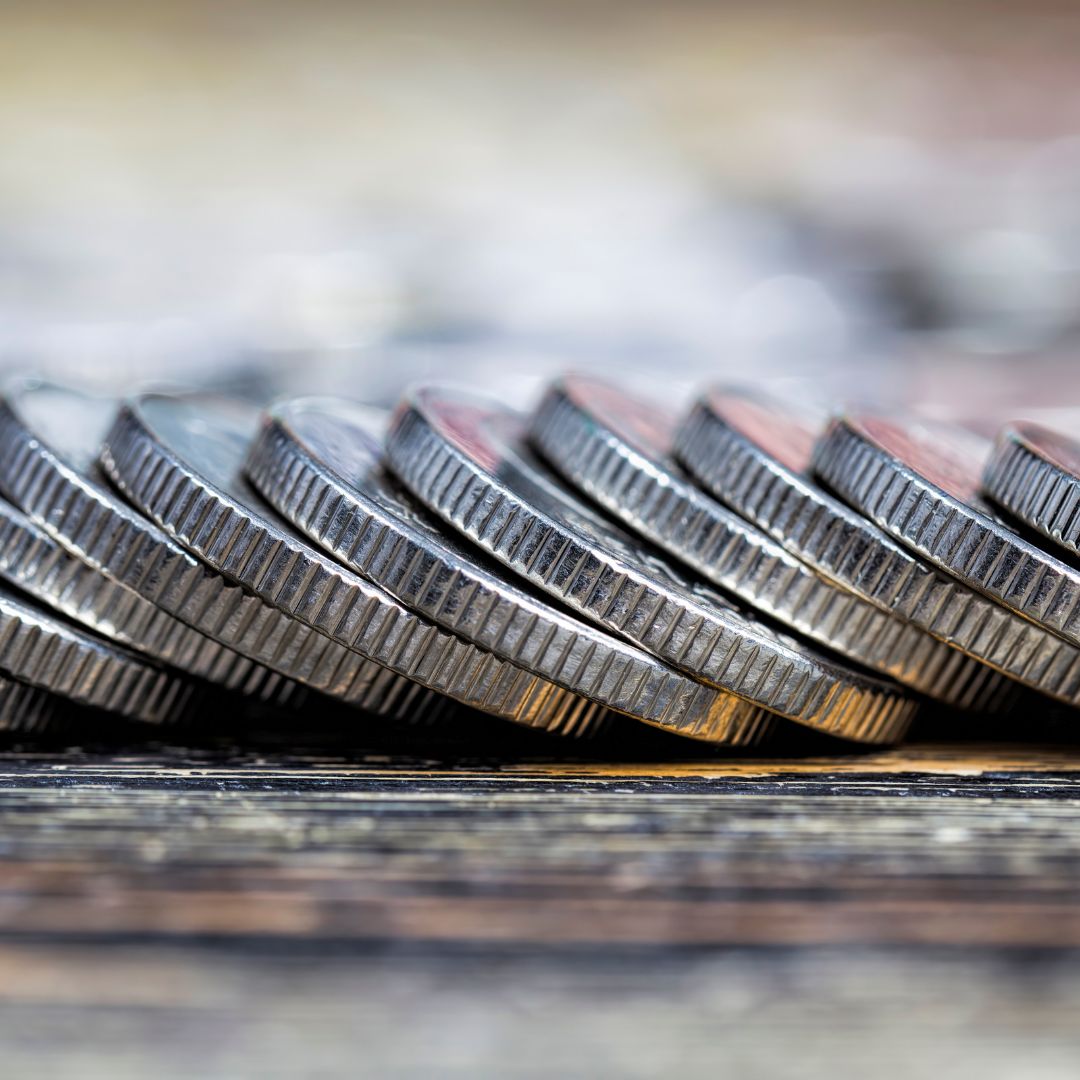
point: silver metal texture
(617, 451)
(317, 461)
(463, 456)
(27, 709)
(49, 437)
(32, 561)
(181, 461)
(1033, 473)
(56, 656)
(753, 452)
(919, 480)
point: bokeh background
(879, 199)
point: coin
(49, 437)
(180, 460)
(59, 657)
(463, 456)
(753, 452)
(317, 461)
(919, 480)
(26, 709)
(37, 565)
(1033, 473)
(617, 450)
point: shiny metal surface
(462, 455)
(59, 657)
(317, 461)
(920, 482)
(753, 452)
(27, 709)
(64, 494)
(1033, 473)
(617, 450)
(181, 461)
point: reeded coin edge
(834, 538)
(113, 538)
(452, 485)
(1036, 491)
(375, 542)
(64, 660)
(690, 525)
(26, 709)
(316, 590)
(957, 538)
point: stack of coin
(604, 563)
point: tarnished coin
(617, 450)
(753, 452)
(61, 658)
(317, 461)
(27, 709)
(180, 460)
(919, 480)
(462, 455)
(1033, 473)
(49, 438)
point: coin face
(464, 457)
(1033, 474)
(180, 459)
(184, 613)
(739, 446)
(887, 469)
(317, 461)
(616, 449)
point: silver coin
(36, 564)
(317, 461)
(181, 460)
(49, 437)
(753, 452)
(27, 709)
(919, 480)
(617, 450)
(1033, 473)
(463, 456)
(59, 657)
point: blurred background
(880, 197)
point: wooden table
(233, 908)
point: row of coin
(712, 576)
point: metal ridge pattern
(97, 526)
(378, 540)
(709, 642)
(1039, 492)
(26, 709)
(85, 669)
(669, 510)
(34, 562)
(835, 539)
(313, 588)
(980, 551)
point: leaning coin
(617, 451)
(27, 709)
(753, 452)
(463, 456)
(180, 460)
(317, 461)
(1033, 473)
(919, 480)
(49, 437)
(36, 564)
(60, 657)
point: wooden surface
(236, 908)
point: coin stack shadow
(597, 570)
